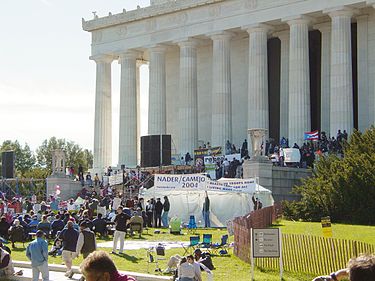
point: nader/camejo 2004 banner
(201, 182)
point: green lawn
(227, 267)
(341, 231)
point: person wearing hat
(37, 252)
(86, 242)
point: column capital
(188, 42)
(370, 3)
(298, 19)
(221, 35)
(323, 27)
(102, 58)
(340, 11)
(258, 27)
(128, 54)
(158, 48)
(362, 17)
(284, 34)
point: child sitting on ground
(57, 246)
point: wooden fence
(301, 253)
(258, 219)
(316, 255)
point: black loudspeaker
(7, 159)
(150, 150)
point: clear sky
(47, 82)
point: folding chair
(223, 245)
(207, 242)
(192, 224)
(194, 242)
(154, 255)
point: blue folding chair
(192, 226)
(223, 245)
(207, 242)
(194, 242)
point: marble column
(258, 114)
(188, 111)
(341, 116)
(299, 80)
(221, 90)
(128, 110)
(284, 82)
(325, 92)
(138, 78)
(157, 91)
(103, 114)
(363, 73)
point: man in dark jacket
(69, 237)
(56, 225)
(166, 207)
(100, 225)
(158, 211)
(86, 242)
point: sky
(47, 82)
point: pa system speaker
(7, 158)
(150, 150)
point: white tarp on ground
(224, 205)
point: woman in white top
(186, 271)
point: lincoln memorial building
(220, 67)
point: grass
(227, 267)
(362, 233)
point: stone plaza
(219, 67)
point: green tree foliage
(341, 188)
(75, 155)
(24, 158)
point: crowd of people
(309, 150)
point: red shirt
(121, 277)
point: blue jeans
(206, 217)
(43, 268)
(164, 219)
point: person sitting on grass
(6, 265)
(99, 266)
(361, 268)
(16, 232)
(186, 271)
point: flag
(312, 135)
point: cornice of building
(143, 13)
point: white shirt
(186, 270)
(116, 203)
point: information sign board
(326, 226)
(266, 243)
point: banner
(291, 155)
(239, 185)
(180, 182)
(191, 182)
(201, 153)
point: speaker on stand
(7, 160)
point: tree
(24, 158)
(341, 188)
(75, 155)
